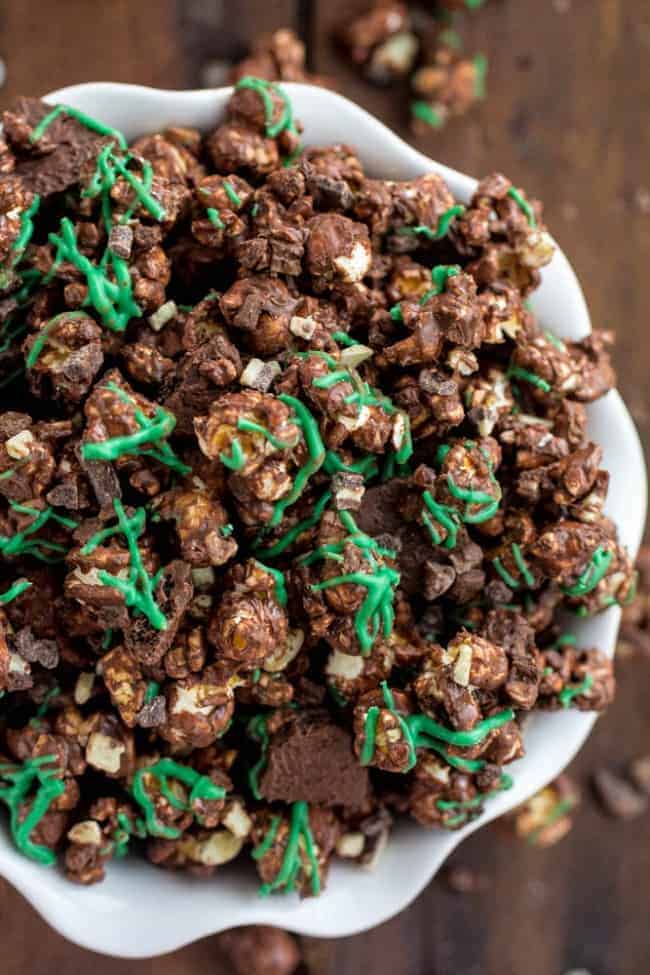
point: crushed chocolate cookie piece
(293, 775)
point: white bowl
(140, 911)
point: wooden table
(569, 90)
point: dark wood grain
(567, 118)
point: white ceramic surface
(140, 911)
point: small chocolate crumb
(153, 714)
(34, 650)
(120, 240)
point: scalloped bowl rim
(140, 912)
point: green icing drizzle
(467, 805)
(226, 530)
(200, 786)
(22, 544)
(480, 74)
(427, 113)
(420, 729)
(44, 706)
(440, 274)
(152, 691)
(554, 340)
(592, 575)
(19, 246)
(302, 526)
(138, 589)
(260, 851)
(344, 339)
(237, 459)
(90, 123)
(108, 168)
(126, 829)
(23, 779)
(250, 426)
(232, 194)
(300, 834)
(264, 89)
(445, 515)
(524, 205)
(316, 449)
(113, 301)
(376, 610)
(567, 695)
(442, 228)
(214, 218)
(530, 377)
(152, 430)
(278, 581)
(14, 591)
(366, 466)
(567, 639)
(43, 335)
(521, 564)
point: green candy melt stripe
(152, 430)
(87, 120)
(426, 113)
(201, 787)
(299, 830)
(43, 335)
(264, 89)
(278, 581)
(440, 274)
(112, 301)
(421, 731)
(23, 778)
(442, 228)
(529, 377)
(567, 695)
(19, 246)
(302, 526)
(523, 204)
(592, 575)
(138, 588)
(214, 218)
(316, 449)
(14, 591)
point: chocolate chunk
(103, 479)
(153, 714)
(30, 648)
(312, 760)
(64, 495)
(120, 240)
(73, 146)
